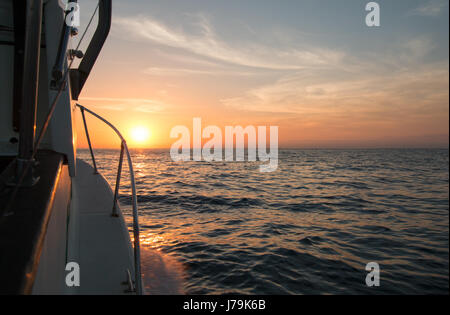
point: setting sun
(140, 135)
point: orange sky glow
(390, 88)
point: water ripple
(309, 228)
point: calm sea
(309, 228)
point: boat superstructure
(56, 211)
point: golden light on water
(152, 240)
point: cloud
(414, 92)
(417, 48)
(432, 8)
(205, 42)
(157, 71)
(390, 79)
(126, 104)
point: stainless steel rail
(124, 149)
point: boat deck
(98, 242)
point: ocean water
(309, 228)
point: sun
(140, 135)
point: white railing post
(137, 249)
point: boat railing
(124, 150)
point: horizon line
(296, 148)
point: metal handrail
(124, 149)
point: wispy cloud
(398, 95)
(398, 76)
(157, 71)
(126, 104)
(205, 42)
(432, 8)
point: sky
(311, 67)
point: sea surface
(311, 227)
